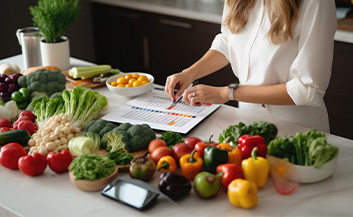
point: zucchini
(19, 136)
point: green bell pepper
(213, 157)
(21, 97)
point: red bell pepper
(247, 143)
(59, 161)
(33, 164)
(10, 153)
(228, 172)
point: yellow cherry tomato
(129, 85)
(114, 83)
(136, 75)
(145, 82)
(132, 80)
(122, 80)
(137, 83)
(128, 76)
(143, 78)
(121, 85)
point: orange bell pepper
(167, 164)
(191, 165)
(234, 154)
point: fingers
(191, 97)
(169, 87)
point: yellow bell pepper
(256, 169)
(167, 164)
(234, 154)
(191, 165)
(242, 193)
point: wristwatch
(231, 88)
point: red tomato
(181, 149)
(10, 153)
(192, 141)
(200, 146)
(33, 164)
(59, 162)
(155, 143)
(160, 152)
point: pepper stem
(165, 165)
(253, 154)
(192, 159)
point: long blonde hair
(283, 14)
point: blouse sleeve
(220, 42)
(310, 72)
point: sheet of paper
(151, 109)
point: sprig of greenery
(53, 17)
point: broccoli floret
(43, 81)
(22, 81)
(140, 136)
(116, 140)
(124, 126)
(100, 127)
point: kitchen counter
(207, 11)
(53, 194)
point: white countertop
(201, 10)
(51, 194)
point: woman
(281, 51)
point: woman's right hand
(179, 81)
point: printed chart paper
(151, 109)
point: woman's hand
(179, 81)
(203, 94)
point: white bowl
(130, 91)
(309, 174)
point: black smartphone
(130, 193)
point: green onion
(89, 71)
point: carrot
(35, 68)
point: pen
(181, 97)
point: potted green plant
(53, 18)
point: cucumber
(19, 136)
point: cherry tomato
(181, 149)
(155, 143)
(122, 80)
(160, 152)
(128, 76)
(192, 141)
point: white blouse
(303, 63)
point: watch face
(233, 85)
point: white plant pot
(56, 54)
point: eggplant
(174, 185)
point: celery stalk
(89, 71)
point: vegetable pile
(43, 82)
(81, 105)
(54, 135)
(307, 149)
(263, 128)
(128, 138)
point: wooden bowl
(96, 185)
